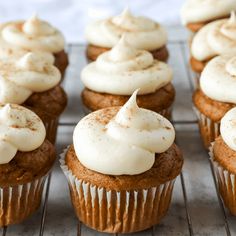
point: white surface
(71, 16)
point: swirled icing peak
(35, 27)
(35, 61)
(129, 22)
(218, 79)
(123, 69)
(122, 51)
(229, 27)
(32, 73)
(20, 130)
(142, 32)
(120, 141)
(231, 66)
(33, 34)
(228, 128)
(216, 38)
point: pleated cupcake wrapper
(209, 129)
(117, 211)
(51, 129)
(226, 183)
(165, 112)
(196, 80)
(18, 202)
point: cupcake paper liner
(117, 211)
(209, 129)
(18, 202)
(226, 183)
(51, 129)
(196, 80)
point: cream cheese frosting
(122, 141)
(214, 39)
(218, 79)
(20, 130)
(195, 11)
(142, 32)
(32, 34)
(123, 69)
(34, 72)
(11, 53)
(228, 128)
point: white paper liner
(18, 202)
(196, 80)
(117, 212)
(51, 129)
(209, 129)
(226, 183)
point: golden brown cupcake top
(213, 109)
(166, 167)
(224, 155)
(119, 141)
(28, 166)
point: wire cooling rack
(196, 207)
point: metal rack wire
(182, 45)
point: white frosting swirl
(218, 79)
(32, 73)
(228, 128)
(126, 144)
(33, 34)
(123, 69)
(20, 130)
(194, 11)
(142, 32)
(214, 39)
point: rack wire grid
(196, 207)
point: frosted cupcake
(197, 13)
(214, 39)
(26, 159)
(142, 33)
(121, 168)
(116, 74)
(223, 156)
(33, 81)
(20, 37)
(215, 96)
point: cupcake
(214, 39)
(223, 156)
(33, 35)
(116, 74)
(195, 14)
(121, 168)
(26, 159)
(33, 82)
(142, 33)
(215, 96)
